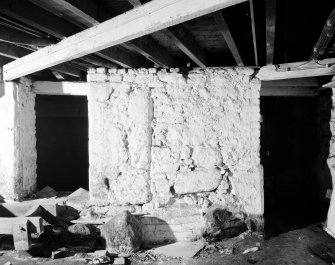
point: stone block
(122, 234)
(206, 156)
(197, 181)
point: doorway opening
(62, 142)
(289, 154)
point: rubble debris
(79, 200)
(322, 251)
(122, 234)
(8, 263)
(46, 192)
(220, 224)
(119, 261)
(22, 254)
(248, 250)
(61, 253)
(101, 260)
(80, 229)
(47, 216)
(179, 249)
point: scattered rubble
(46, 192)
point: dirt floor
(294, 247)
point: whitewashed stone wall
(170, 142)
(17, 139)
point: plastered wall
(17, 139)
(161, 140)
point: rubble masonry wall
(172, 144)
(17, 141)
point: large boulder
(122, 234)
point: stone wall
(17, 139)
(330, 224)
(173, 144)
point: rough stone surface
(79, 229)
(17, 129)
(164, 139)
(123, 233)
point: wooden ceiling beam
(253, 29)
(270, 11)
(225, 31)
(297, 70)
(146, 19)
(13, 52)
(38, 18)
(187, 44)
(75, 14)
(15, 36)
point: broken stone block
(119, 261)
(220, 223)
(80, 229)
(123, 233)
(46, 192)
(62, 253)
(197, 181)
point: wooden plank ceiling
(251, 33)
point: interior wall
(62, 142)
(163, 139)
(17, 141)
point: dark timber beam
(326, 37)
(270, 11)
(152, 51)
(186, 43)
(221, 22)
(253, 29)
(15, 36)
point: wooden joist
(225, 31)
(297, 70)
(187, 44)
(60, 88)
(150, 49)
(148, 18)
(253, 29)
(270, 10)
(33, 15)
(17, 37)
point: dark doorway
(62, 142)
(289, 149)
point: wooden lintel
(225, 31)
(187, 44)
(289, 92)
(297, 70)
(270, 10)
(148, 18)
(60, 88)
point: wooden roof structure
(61, 39)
